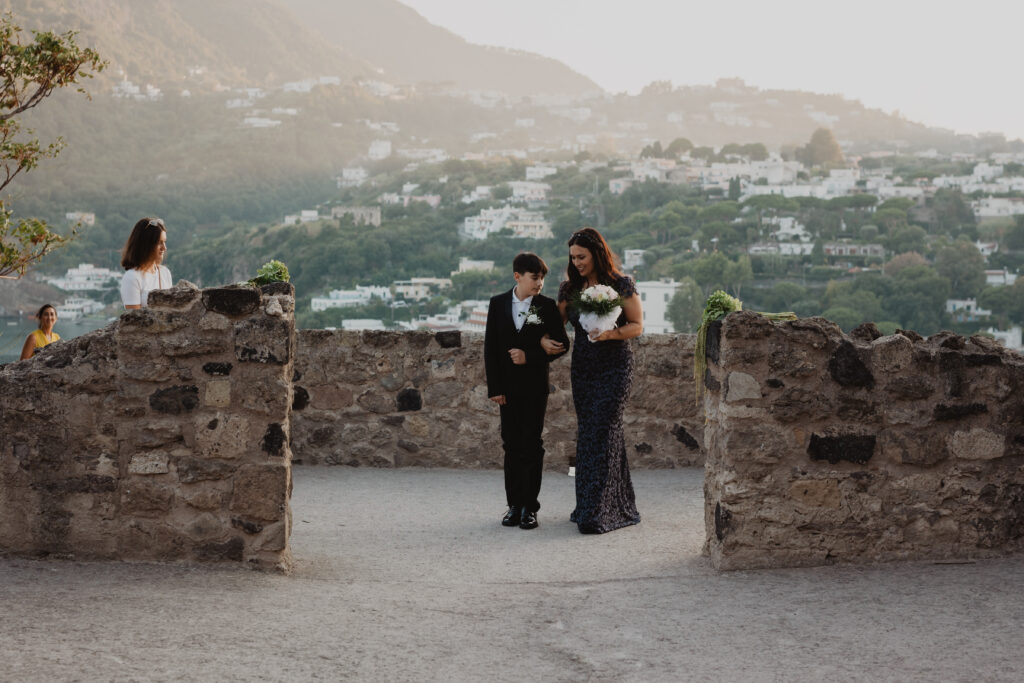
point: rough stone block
(848, 369)
(944, 412)
(146, 499)
(977, 444)
(231, 301)
(823, 493)
(182, 295)
(175, 400)
(195, 469)
(232, 550)
(375, 402)
(201, 497)
(741, 386)
(263, 340)
(218, 393)
(226, 436)
(261, 492)
(214, 322)
(153, 462)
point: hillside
(192, 43)
(410, 49)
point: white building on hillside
(966, 310)
(530, 225)
(467, 264)
(84, 278)
(1011, 338)
(419, 288)
(529, 191)
(633, 258)
(995, 207)
(999, 278)
(787, 229)
(656, 296)
(345, 298)
(540, 172)
(379, 149)
(352, 177)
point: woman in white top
(141, 258)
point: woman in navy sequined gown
(602, 373)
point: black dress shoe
(528, 520)
(512, 517)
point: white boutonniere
(532, 317)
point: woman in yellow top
(47, 317)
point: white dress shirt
(520, 309)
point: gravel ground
(406, 575)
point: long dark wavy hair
(138, 250)
(606, 263)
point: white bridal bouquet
(599, 308)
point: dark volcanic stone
(221, 369)
(710, 382)
(409, 399)
(449, 340)
(175, 297)
(278, 288)
(855, 448)
(911, 388)
(175, 400)
(684, 437)
(955, 412)
(910, 334)
(296, 375)
(644, 448)
(246, 525)
(195, 469)
(393, 420)
(775, 382)
(976, 359)
(231, 301)
(89, 483)
(410, 446)
(947, 340)
(847, 369)
(274, 439)
(229, 550)
(321, 436)
(713, 342)
(300, 398)
(866, 332)
(379, 338)
(722, 520)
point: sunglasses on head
(155, 221)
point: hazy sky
(954, 65)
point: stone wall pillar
(823, 447)
(163, 437)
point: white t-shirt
(136, 285)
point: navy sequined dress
(602, 373)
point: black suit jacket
(504, 378)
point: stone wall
(830, 448)
(161, 437)
(393, 399)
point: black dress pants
(522, 421)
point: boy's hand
(518, 356)
(550, 346)
(500, 400)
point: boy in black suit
(517, 380)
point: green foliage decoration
(271, 271)
(718, 305)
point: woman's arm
(28, 348)
(634, 326)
